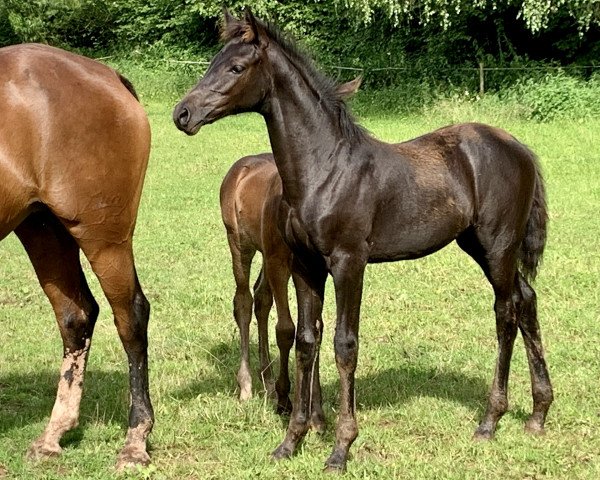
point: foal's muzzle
(189, 118)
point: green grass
(427, 336)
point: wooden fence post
(481, 80)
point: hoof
(40, 450)
(245, 394)
(317, 424)
(281, 452)
(131, 457)
(482, 435)
(533, 427)
(335, 464)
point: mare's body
(349, 199)
(74, 146)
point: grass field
(427, 336)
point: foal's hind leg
(540, 380)
(500, 270)
(55, 258)
(242, 310)
(263, 301)
(114, 266)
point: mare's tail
(532, 246)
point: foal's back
(248, 193)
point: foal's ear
(230, 27)
(346, 90)
(254, 32)
(228, 18)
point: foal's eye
(237, 69)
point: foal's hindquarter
(74, 145)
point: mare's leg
(310, 287)
(500, 268)
(241, 259)
(278, 275)
(263, 301)
(347, 270)
(55, 258)
(114, 266)
(540, 380)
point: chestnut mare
(74, 146)
(250, 195)
(349, 199)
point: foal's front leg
(347, 270)
(309, 291)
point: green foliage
(556, 95)
(73, 23)
(537, 14)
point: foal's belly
(403, 240)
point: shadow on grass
(391, 386)
(28, 398)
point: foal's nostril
(184, 117)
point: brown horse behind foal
(250, 196)
(74, 146)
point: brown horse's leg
(241, 259)
(114, 266)
(347, 271)
(55, 258)
(310, 286)
(263, 301)
(540, 380)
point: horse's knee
(285, 333)
(346, 349)
(242, 305)
(77, 324)
(305, 345)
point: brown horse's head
(236, 80)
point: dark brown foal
(74, 146)
(349, 199)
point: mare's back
(67, 124)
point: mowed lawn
(427, 337)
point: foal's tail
(532, 246)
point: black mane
(324, 86)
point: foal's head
(236, 80)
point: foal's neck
(305, 134)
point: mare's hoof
(40, 450)
(281, 452)
(284, 407)
(131, 457)
(533, 427)
(245, 394)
